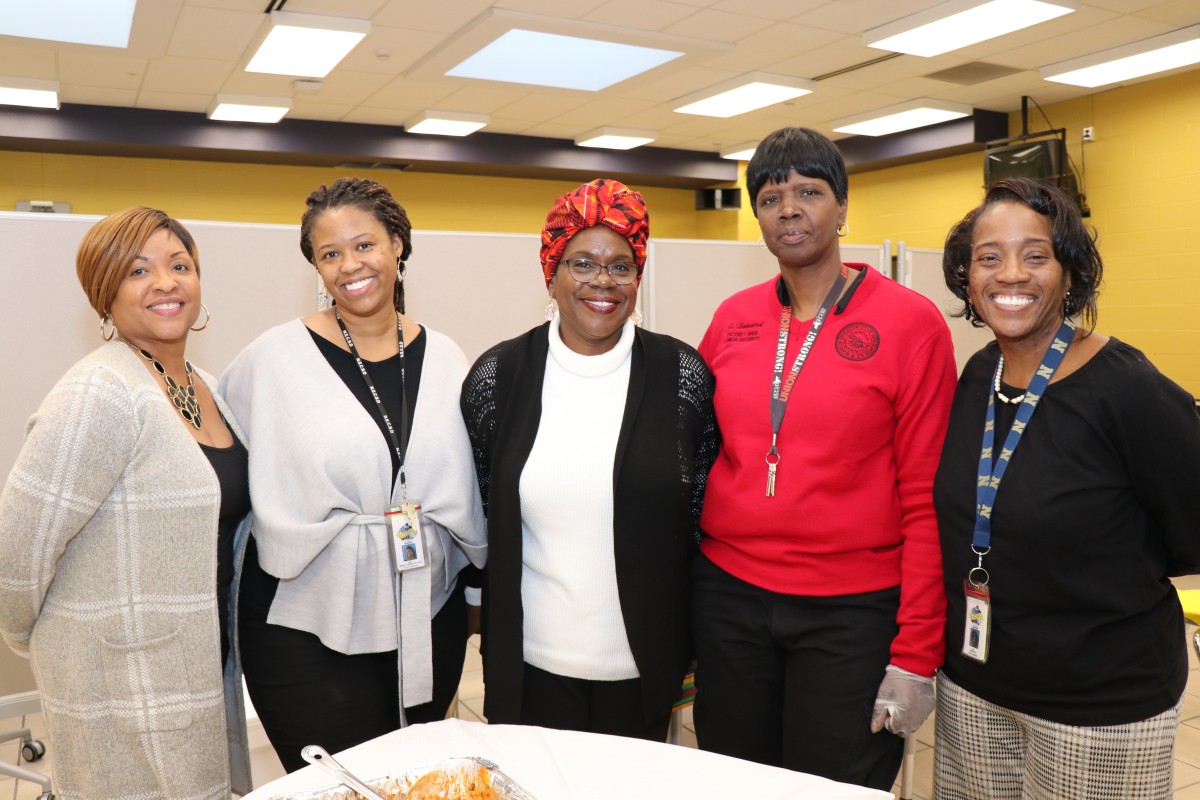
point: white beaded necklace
(996, 386)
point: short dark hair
(801, 149)
(372, 197)
(1074, 245)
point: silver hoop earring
(761, 243)
(551, 309)
(207, 318)
(842, 229)
(636, 316)
(111, 331)
(401, 271)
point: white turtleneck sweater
(573, 621)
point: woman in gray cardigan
(117, 528)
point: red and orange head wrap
(601, 202)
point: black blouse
(233, 474)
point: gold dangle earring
(207, 318)
(107, 334)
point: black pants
(574, 704)
(305, 693)
(791, 681)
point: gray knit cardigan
(108, 559)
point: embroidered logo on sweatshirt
(743, 332)
(858, 341)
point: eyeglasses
(585, 270)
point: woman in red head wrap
(592, 439)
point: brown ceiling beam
(146, 133)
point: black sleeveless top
(231, 464)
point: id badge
(408, 536)
(977, 626)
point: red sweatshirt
(859, 445)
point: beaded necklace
(183, 398)
(996, 386)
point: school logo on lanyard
(858, 341)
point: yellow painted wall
(268, 193)
(1141, 176)
(1142, 179)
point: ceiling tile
(602, 111)
(1077, 43)
(411, 93)
(303, 108)
(113, 72)
(28, 62)
(213, 33)
(389, 51)
(482, 99)
(444, 17)
(575, 9)
(778, 42)
(185, 75)
(174, 101)
(651, 15)
(718, 25)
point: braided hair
(373, 198)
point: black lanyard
(992, 472)
(400, 443)
(781, 389)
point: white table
(566, 765)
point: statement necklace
(183, 398)
(995, 385)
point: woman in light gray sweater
(351, 412)
(117, 528)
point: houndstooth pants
(986, 752)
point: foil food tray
(505, 788)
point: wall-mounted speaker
(718, 199)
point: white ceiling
(183, 52)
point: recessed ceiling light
(28, 92)
(244, 108)
(78, 21)
(615, 138)
(743, 94)
(1158, 54)
(740, 152)
(901, 117)
(446, 123)
(306, 45)
(959, 23)
(564, 62)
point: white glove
(903, 702)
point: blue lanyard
(989, 476)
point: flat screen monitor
(1041, 160)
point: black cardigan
(667, 443)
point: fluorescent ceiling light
(959, 23)
(244, 108)
(306, 45)
(446, 123)
(901, 117)
(1158, 54)
(747, 93)
(564, 62)
(28, 92)
(100, 22)
(740, 152)
(615, 138)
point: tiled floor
(470, 707)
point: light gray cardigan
(321, 480)
(108, 573)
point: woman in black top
(1065, 654)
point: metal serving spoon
(315, 754)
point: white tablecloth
(565, 765)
